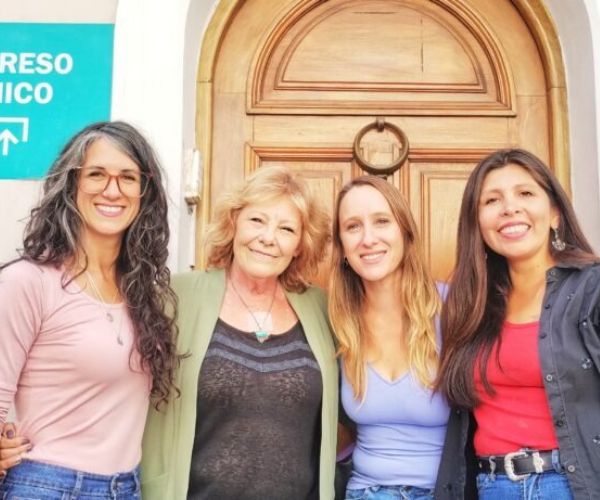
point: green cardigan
(169, 433)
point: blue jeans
(545, 486)
(39, 481)
(390, 493)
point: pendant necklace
(107, 313)
(261, 334)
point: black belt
(517, 465)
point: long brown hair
(54, 228)
(417, 296)
(475, 309)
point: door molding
(271, 89)
(535, 16)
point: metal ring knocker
(380, 124)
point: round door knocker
(380, 124)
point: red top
(518, 415)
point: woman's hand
(12, 447)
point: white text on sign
(31, 63)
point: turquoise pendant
(261, 336)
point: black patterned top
(258, 414)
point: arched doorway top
(534, 14)
(287, 78)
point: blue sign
(54, 80)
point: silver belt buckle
(509, 466)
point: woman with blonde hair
(257, 414)
(383, 305)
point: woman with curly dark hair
(85, 343)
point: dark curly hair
(53, 231)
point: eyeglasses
(95, 180)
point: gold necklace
(107, 313)
(261, 334)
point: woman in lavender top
(383, 306)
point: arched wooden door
(294, 82)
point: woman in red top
(512, 351)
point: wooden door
(295, 80)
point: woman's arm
(21, 292)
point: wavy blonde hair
(417, 296)
(266, 184)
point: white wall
(580, 44)
(59, 11)
(18, 197)
(154, 85)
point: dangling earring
(558, 244)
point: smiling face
(516, 215)
(109, 213)
(267, 238)
(371, 237)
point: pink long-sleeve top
(80, 396)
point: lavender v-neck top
(401, 428)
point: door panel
(391, 56)
(296, 80)
(436, 181)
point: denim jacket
(569, 348)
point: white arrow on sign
(6, 136)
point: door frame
(534, 14)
